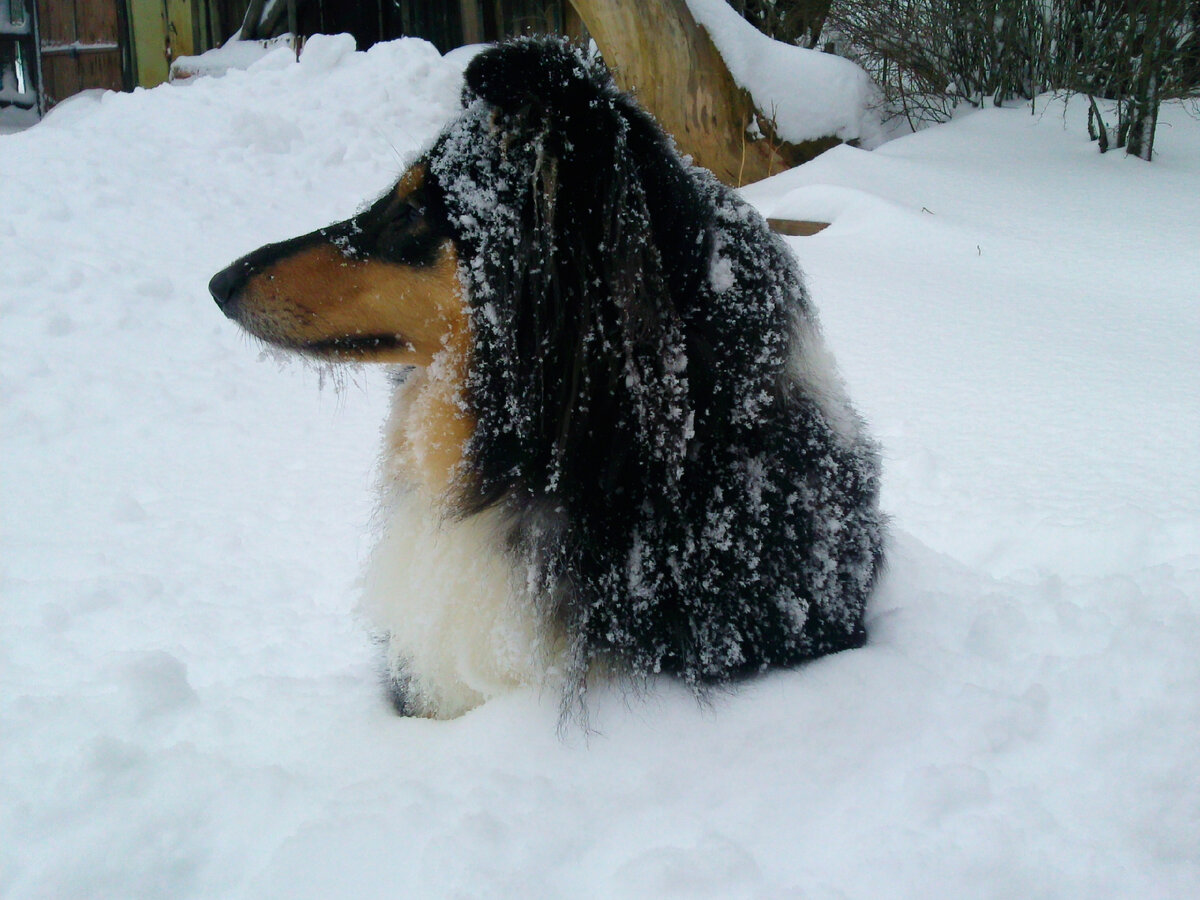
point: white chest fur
(460, 626)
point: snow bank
(189, 708)
(809, 94)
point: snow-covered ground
(190, 708)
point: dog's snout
(225, 283)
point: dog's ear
(538, 72)
(584, 252)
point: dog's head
(553, 238)
(381, 286)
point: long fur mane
(683, 486)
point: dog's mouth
(358, 346)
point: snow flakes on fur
(683, 494)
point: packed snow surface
(190, 707)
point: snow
(190, 709)
(233, 54)
(807, 94)
(14, 118)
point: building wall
(119, 44)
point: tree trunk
(1146, 95)
(1097, 130)
(1143, 121)
(250, 22)
(657, 50)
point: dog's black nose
(224, 285)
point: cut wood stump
(658, 51)
(797, 227)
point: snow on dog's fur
(618, 445)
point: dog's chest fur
(461, 627)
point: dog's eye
(400, 227)
(410, 214)
(406, 236)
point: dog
(618, 446)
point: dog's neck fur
(431, 422)
(461, 623)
